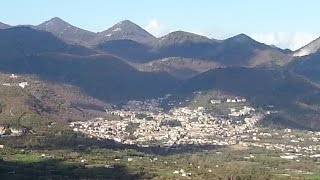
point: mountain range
(100, 74)
(132, 43)
(126, 62)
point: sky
(284, 23)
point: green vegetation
(313, 176)
(132, 127)
(203, 100)
(140, 115)
(91, 159)
(25, 158)
(170, 123)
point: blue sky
(285, 23)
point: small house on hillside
(215, 101)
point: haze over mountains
(310, 48)
(126, 62)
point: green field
(83, 160)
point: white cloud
(292, 41)
(157, 28)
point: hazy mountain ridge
(308, 66)
(181, 68)
(103, 76)
(179, 37)
(264, 87)
(24, 41)
(4, 26)
(308, 49)
(306, 61)
(124, 30)
(66, 31)
(133, 44)
(235, 51)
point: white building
(13, 76)
(23, 84)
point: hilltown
(186, 126)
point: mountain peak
(185, 33)
(126, 22)
(310, 48)
(126, 30)
(66, 31)
(55, 22)
(55, 19)
(125, 25)
(178, 37)
(241, 38)
(179, 33)
(4, 26)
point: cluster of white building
(199, 126)
(236, 100)
(20, 84)
(241, 112)
(195, 126)
(228, 100)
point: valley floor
(220, 163)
